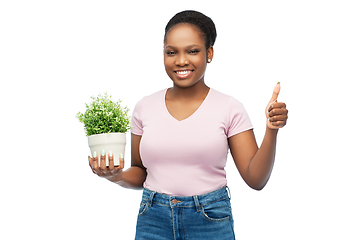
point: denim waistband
(188, 201)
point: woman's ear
(210, 54)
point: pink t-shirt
(185, 158)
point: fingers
(121, 165)
(103, 167)
(122, 162)
(276, 92)
(276, 105)
(279, 118)
(111, 162)
(277, 115)
(103, 170)
(93, 162)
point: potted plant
(106, 123)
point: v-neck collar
(192, 115)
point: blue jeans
(164, 217)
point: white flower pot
(108, 141)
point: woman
(180, 140)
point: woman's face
(185, 55)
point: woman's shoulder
(223, 97)
(156, 96)
(150, 102)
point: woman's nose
(182, 61)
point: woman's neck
(198, 91)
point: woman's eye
(170, 52)
(194, 51)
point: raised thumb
(275, 93)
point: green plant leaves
(103, 115)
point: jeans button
(174, 201)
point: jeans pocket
(217, 211)
(143, 207)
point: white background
(54, 55)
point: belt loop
(151, 197)
(229, 193)
(196, 200)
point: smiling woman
(186, 56)
(180, 141)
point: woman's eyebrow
(190, 46)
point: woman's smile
(182, 74)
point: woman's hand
(111, 173)
(276, 112)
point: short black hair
(202, 22)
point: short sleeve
(239, 120)
(136, 122)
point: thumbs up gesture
(276, 112)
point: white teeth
(183, 72)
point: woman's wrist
(271, 130)
(115, 178)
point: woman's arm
(255, 164)
(133, 177)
